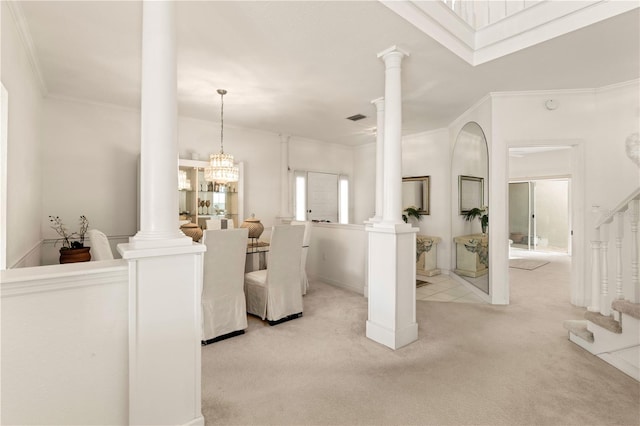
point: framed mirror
(470, 189)
(415, 192)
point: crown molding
(25, 36)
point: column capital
(392, 51)
(379, 103)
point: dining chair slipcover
(100, 247)
(223, 302)
(214, 224)
(274, 293)
(304, 281)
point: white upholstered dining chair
(274, 293)
(224, 312)
(304, 281)
(100, 247)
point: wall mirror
(469, 189)
(471, 193)
(415, 192)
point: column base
(394, 339)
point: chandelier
(221, 168)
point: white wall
(90, 154)
(65, 344)
(364, 182)
(24, 181)
(338, 255)
(596, 123)
(427, 154)
(540, 164)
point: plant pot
(73, 255)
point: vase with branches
(73, 249)
(482, 213)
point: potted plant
(482, 213)
(411, 211)
(73, 249)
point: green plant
(411, 211)
(482, 213)
(70, 239)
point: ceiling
(301, 67)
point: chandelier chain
(221, 122)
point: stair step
(579, 328)
(605, 322)
(626, 307)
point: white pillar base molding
(165, 288)
(392, 285)
(284, 220)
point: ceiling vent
(356, 117)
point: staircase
(611, 326)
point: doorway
(539, 215)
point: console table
(472, 255)
(426, 255)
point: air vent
(356, 117)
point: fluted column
(379, 103)
(159, 141)
(392, 175)
(285, 193)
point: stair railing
(600, 298)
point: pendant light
(221, 168)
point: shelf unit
(225, 201)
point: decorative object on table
(221, 167)
(208, 204)
(73, 249)
(192, 230)
(482, 213)
(255, 227)
(411, 211)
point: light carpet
(472, 364)
(528, 264)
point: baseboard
(357, 288)
(198, 421)
(30, 258)
(621, 364)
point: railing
(628, 209)
(480, 13)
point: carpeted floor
(473, 364)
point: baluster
(619, 237)
(635, 280)
(595, 274)
(605, 304)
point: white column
(619, 237)
(635, 279)
(379, 103)
(159, 140)
(285, 193)
(391, 271)
(605, 303)
(165, 267)
(392, 175)
(595, 277)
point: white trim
(18, 282)
(37, 246)
(577, 220)
(4, 114)
(355, 287)
(25, 36)
(464, 116)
